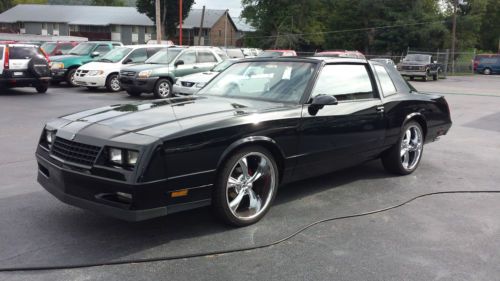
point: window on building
(44, 26)
(115, 28)
(55, 27)
(135, 29)
(74, 28)
(345, 82)
(220, 32)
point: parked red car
(341, 53)
(278, 53)
(58, 48)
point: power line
(346, 30)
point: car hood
(65, 58)
(202, 77)
(101, 66)
(162, 118)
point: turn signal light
(179, 193)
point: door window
(102, 49)
(151, 51)
(386, 83)
(205, 56)
(188, 57)
(345, 82)
(138, 55)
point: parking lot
(439, 237)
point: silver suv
(24, 65)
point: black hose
(250, 248)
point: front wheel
(163, 89)
(246, 186)
(487, 71)
(403, 158)
(42, 88)
(70, 77)
(113, 83)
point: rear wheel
(246, 186)
(42, 88)
(487, 71)
(113, 83)
(70, 77)
(163, 89)
(403, 158)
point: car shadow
(18, 92)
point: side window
(206, 56)
(66, 48)
(102, 49)
(117, 45)
(151, 51)
(385, 81)
(138, 55)
(188, 57)
(345, 82)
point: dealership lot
(443, 237)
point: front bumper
(413, 73)
(82, 189)
(90, 81)
(59, 74)
(133, 84)
(181, 90)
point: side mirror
(95, 54)
(179, 62)
(320, 101)
(435, 61)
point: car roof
(307, 59)
(145, 46)
(21, 45)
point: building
(219, 28)
(124, 24)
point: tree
(108, 3)
(5, 5)
(489, 36)
(169, 13)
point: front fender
(250, 140)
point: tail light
(6, 60)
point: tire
(163, 89)
(251, 198)
(113, 83)
(70, 77)
(133, 93)
(392, 159)
(42, 88)
(487, 71)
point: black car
(256, 126)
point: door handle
(380, 109)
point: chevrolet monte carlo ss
(259, 124)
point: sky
(234, 6)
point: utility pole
(453, 36)
(180, 22)
(225, 31)
(158, 21)
(201, 26)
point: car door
(342, 135)
(188, 66)
(206, 60)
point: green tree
(5, 5)
(489, 36)
(169, 13)
(108, 3)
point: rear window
(1, 53)
(23, 53)
(235, 54)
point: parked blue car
(488, 65)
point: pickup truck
(420, 65)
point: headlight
(123, 157)
(145, 74)
(95, 73)
(50, 136)
(200, 85)
(56, 65)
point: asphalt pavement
(440, 237)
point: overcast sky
(234, 6)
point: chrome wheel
(164, 89)
(115, 84)
(411, 147)
(487, 71)
(250, 186)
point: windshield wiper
(105, 60)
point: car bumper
(22, 82)
(410, 73)
(59, 74)
(181, 90)
(98, 194)
(93, 81)
(145, 85)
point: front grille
(75, 152)
(411, 67)
(81, 73)
(187, 84)
(127, 73)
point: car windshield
(116, 55)
(48, 47)
(82, 49)
(275, 81)
(422, 58)
(222, 66)
(165, 56)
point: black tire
(163, 89)
(487, 71)
(392, 159)
(38, 67)
(42, 88)
(110, 83)
(69, 77)
(133, 93)
(220, 193)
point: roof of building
(193, 20)
(76, 15)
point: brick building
(219, 29)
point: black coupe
(256, 126)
